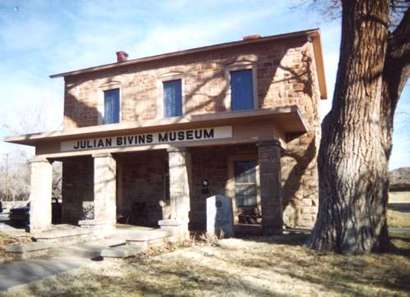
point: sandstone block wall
(77, 189)
(142, 185)
(285, 75)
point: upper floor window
(172, 98)
(112, 106)
(242, 90)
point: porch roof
(287, 119)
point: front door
(246, 192)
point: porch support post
(105, 211)
(270, 186)
(41, 177)
(179, 161)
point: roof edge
(320, 67)
(314, 31)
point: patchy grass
(260, 266)
(4, 241)
(398, 219)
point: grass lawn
(264, 266)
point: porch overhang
(289, 120)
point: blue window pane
(242, 90)
(172, 98)
(112, 106)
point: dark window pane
(112, 106)
(245, 195)
(242, 90)
(245, 183)
(245, 171)
(172, 98)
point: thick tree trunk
(352, 161)
(395, 74)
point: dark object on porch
(1, 207)
(144, 214)
(20, 216)
(55, 211)
(250, 216)
(205, 186)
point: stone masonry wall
(143, 193)
(281, 81)
(211, 163)
(285, 76)
(77, 189)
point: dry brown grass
(398, 219)
(264, 266)
(4, 241)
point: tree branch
(396, 68)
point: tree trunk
(395, 74)
(352, 161)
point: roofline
(320, 65)
(314, 33)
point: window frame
(161, 100)
(101, 102)
(237, 67)
(230, 185)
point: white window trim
(241, 66)
(160, 86)
(100, 106)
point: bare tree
(357, 133)
(15, 165)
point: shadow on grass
(345, 274)
(243, 267)
(293, 237)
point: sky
(39, 38)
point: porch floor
(120, 235)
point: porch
(164, 187)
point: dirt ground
(6, 240)
(263, 266)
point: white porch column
(105, 209)
(41, 177)
(179, 161)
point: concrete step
(64, 234)
(122, 251)
(29, 250)
(149, 238)
(136, 242)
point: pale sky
(40, 37)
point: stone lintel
(172, 223)
(39, 159)
(102, 155)
(177, 149)
(268, 143)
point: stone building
(146, 141)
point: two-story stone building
(150, 139)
